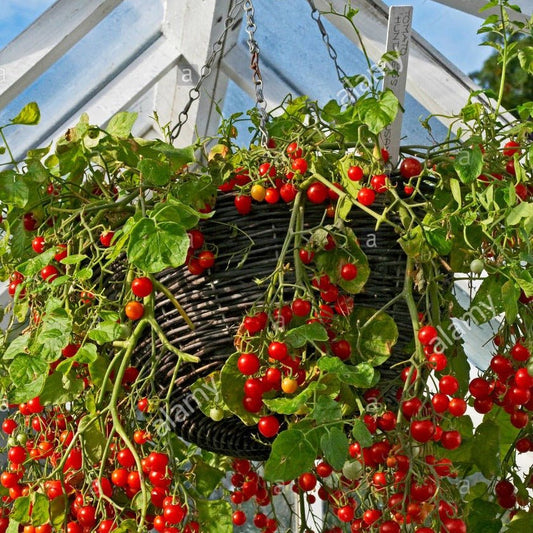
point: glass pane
(64, 89)
(292, 47)
(17, 15)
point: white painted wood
(31, 53)
(398, 39)
(431, 79)
(194, 26)
(125, 90)
(473, 6)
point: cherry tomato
(248, 364)
(243, 204)
(288, 192)
(378, 182)
(299, 165)
(294, 151)
(510, 148)
(348, 271)
(38, 245)
(134, 310)
(49, 273)
(258, 192)
(106, 238)
(410, 168)
(142, 287)
(355, 173)
(317, 193)
(366, 196)
(272, 195)
(422, 430)
(268, 426)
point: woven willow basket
(217, 300)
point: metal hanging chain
(260, 102)
(341, 74)
(206, 70)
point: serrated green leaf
(437, 238)
(120, 124)
(27, 391)
(372, 335)
(488, 298)
(13, 190)
(26, 368)
(214, 516)
(74, 259)
(155, 172)
(326, 410)
(361, 375)
(21, 509)
(291, 455)
(40, 513)
(482, 516)
(334, 445)
(153, 247)
(455, 187)
(60, 388)
(106, 331)
(58, 511)
(525, 56)
(29, 115)
(93, 441)
(361, 434)
(510, 296)
(377, 113)
(289, 406)
(519, 212)
(486, 448)
(469, 164)
(301, 335)
(206, 477)
(17, 346)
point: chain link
(341, 74)
(260, 102)
(206, 70)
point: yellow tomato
(258, 192)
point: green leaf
(206, 477)
(178, 157)
(29, 115)
(56, 330)
(289, 406)
(17, 346)
(127, 526)
(486, 448)
(361, 434)
(74, 259)
(519, 212)
(469, 164)
(40, 513)
(326, 410)
(437, 238)
(214, 516)
(13, 190)
(300, 336)
(120, 124)
(93, 440)
(207, 393)
(510, 296)
(98, 369)
(21, 509)
(488, 299)
(153, 247)
(291, 455)
(106, 331)
(334, 445)
(37, 263)
(525, 56)
(373, 334)
(525, 281)
(175, 211)
(481, 516)
(455, 187)
(361, 375)
(231, 386)
(415, 245)
(27, 391)
(155, 172)
(58, 511)
(520, 523)
(26, 368)
(377, 113)
(61, 388)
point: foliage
(363, 403)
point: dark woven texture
(217, 301)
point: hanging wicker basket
(217, 300)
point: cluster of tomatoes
(51, 445)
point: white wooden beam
(121, 92)
(30, 54)
(473, 6)
(431, 79)
(194, 26)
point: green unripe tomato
(477, 266)
(11, 441)
(216, 414)
(22, 439)
(530, 368)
